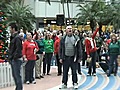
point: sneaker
(41, 76)
(63, 86)
(88, 74)
(79, 73)
(59, 74)
(33, 82)
(48, 74)
(94, 74)
(27, 82)
(75, 86)
(115, 74)
(108, 75)
(37, 77)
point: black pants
(29, 69)
(16, 67)
(59, 65)
(69, 62)
(84, 59)
(92, 64)
(47, 61)
(79, 68)
(98, 55)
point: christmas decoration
(3, 37)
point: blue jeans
(113, 64)
(16, 68)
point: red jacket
(88, 46)
(28, 50)
(2, 61)
(54, 38)
(108, 41)
(56, 46)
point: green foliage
(21, 14)
(115, 14)
(100, 12)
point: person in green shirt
(113, 53)
(48, 52)
(40, 54)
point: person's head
(48, 35)
(76, 32)
(84, 35)
(69, 30)
(29, 36)
(113, 37)
(54, 32)
(21, 31)
(13, 28)
(60, 32)
(102, 47)
(90, 34)
(40, 36)
(97, 35)
(21, 35)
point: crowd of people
(71, 48)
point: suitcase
(104, 66)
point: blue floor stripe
(118, 88)
(87, 82)
(101, 70)
(100, 81)
(111, 80)
(118, 71)
(119, 74)
(111, 83)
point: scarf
(92, 42)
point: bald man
(70, 53)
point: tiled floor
(99, 82)
(42, 84)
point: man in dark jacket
(15, 56)
(70, 53)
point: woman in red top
(90, 46)
(56, 50)
(29, 53)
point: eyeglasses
(69, 28)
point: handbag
(37, 57)
(89, 59)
